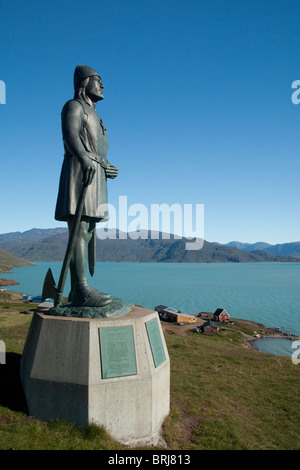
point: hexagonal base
(114, 372)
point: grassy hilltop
(7, 261)
(223, 396)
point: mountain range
(50, 245)
(281, 249)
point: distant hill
(173, 250)
(36, 244)
(13, 239)
(281, 249)
(249, 246)
(9, 261)
(50, 245)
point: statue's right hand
(88, 170)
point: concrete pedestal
(114, 372)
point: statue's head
(87, 84)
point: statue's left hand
(111, 171)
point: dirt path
(180, 329)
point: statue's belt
(95, 158)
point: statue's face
(94, 88)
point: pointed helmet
(81, 72)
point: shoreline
(263, 332)
(248, 339)
(251, 341)
(8, 282)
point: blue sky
(197, 106)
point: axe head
(49, 288)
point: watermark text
(137, 221)
(295, 358)
(296, 94)
(2, 92)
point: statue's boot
(89, 297)
(85, 294)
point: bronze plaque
(117, 351)
(156, 343)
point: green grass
(232, 397)
(223, 396)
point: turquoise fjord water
(268, 293)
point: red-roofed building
(221, 315)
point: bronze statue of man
(85, 162)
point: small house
(27, 297)
(210, 327)
(221, 315)
(178, 317)
(171, 314)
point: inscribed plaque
(156, 343)
(117, 351)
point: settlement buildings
(211, 325)
(172, 315)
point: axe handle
(70, 246)
(92, 253)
